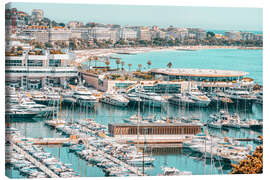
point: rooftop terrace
(199, 72)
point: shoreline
(84, 54)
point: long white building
(37, 71)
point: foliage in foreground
(252, 165)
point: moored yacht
(219, 97)
(171, 171)
(181, 100)
(198, 97)
(149, 98)
(115, 99)
(84, 97)
(240, 96)
(40, 109)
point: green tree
(19, 48)
(149, 63)
(129, 66)
(140, 67)
(107, 62)
(122, 64)
(117, 63)
(169, 65)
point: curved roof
(199, 72)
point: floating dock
(34, 161)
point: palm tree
(169, 65)
(122, 64)
(117, 63)
(107, 62)
(90, 58)
(140, 66)
(96, 59)
(149, 64)
(129, 66)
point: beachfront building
(204, 78)
(236, 36)
(144, 34)
(248, 36)
(128, 34)
(37, 69)
(102, 33)
(198, 33)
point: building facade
(37, 71)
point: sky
(210, 18)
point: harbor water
(178, 157)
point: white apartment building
(75, 24)
(39, 35)
(59, 34)
(247, 36)
(233, 35)
(126, 33)
(101, 33)
(144, 34)
(37, 14)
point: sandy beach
(82, 55)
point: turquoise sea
(230, 59)
(224, 59)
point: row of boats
(28, 168)
(218, 148)
(95, 132)
(191, 98)
(107, 154)
(27, 104)
(83, 96)
(224, 119)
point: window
(54, 62)
(37, 63)
(13, 62)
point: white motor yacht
(115, 99)
(84, 97)
(198, 97)
(171, 171)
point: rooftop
(154, 124)
(199, 72)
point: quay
(115, 160)
(157, 140)
(34, 161)
(121, 163)
(49, 141)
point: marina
(138, 129)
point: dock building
(153, 133)
(103, 84)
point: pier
(34, 161)
(50, 141)
(115, 160)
